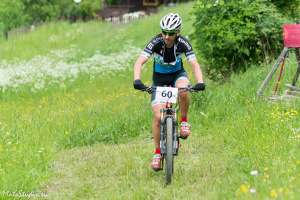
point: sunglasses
(168, 33)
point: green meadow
(73, 127)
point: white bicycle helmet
(170, 22)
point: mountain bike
(169, 138)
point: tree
(40, 10)
(289, 8)
(85, 10)
(11, 15)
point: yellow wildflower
(266, 169)
(273, 194)
(266, 176)
(244, 188)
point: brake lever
(149, 90)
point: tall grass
(257, 136)
(36, 124)
(48, 137)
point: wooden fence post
(295, 79)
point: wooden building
(127, 6)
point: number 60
(167, 94)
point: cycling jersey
(168, 60)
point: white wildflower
(58, 67)
(254, 172)
(252, 190)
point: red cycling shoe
(184, 130)
(156, 162)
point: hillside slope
(72, 125)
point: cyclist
(167, 49)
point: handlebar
(152, 89)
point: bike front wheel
(169, 164)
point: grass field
(73, 127)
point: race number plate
(166, 94)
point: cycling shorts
(160, 79)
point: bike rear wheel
(169, 150)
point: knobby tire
(169, 150)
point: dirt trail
(123, 171)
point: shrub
(85, 10)
(113, 2)
(232, 35)
(46, 10)
(11, 15)
(290, 8)
(40, 10)
(15, 13)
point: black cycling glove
(139, 85)
(199, 87)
